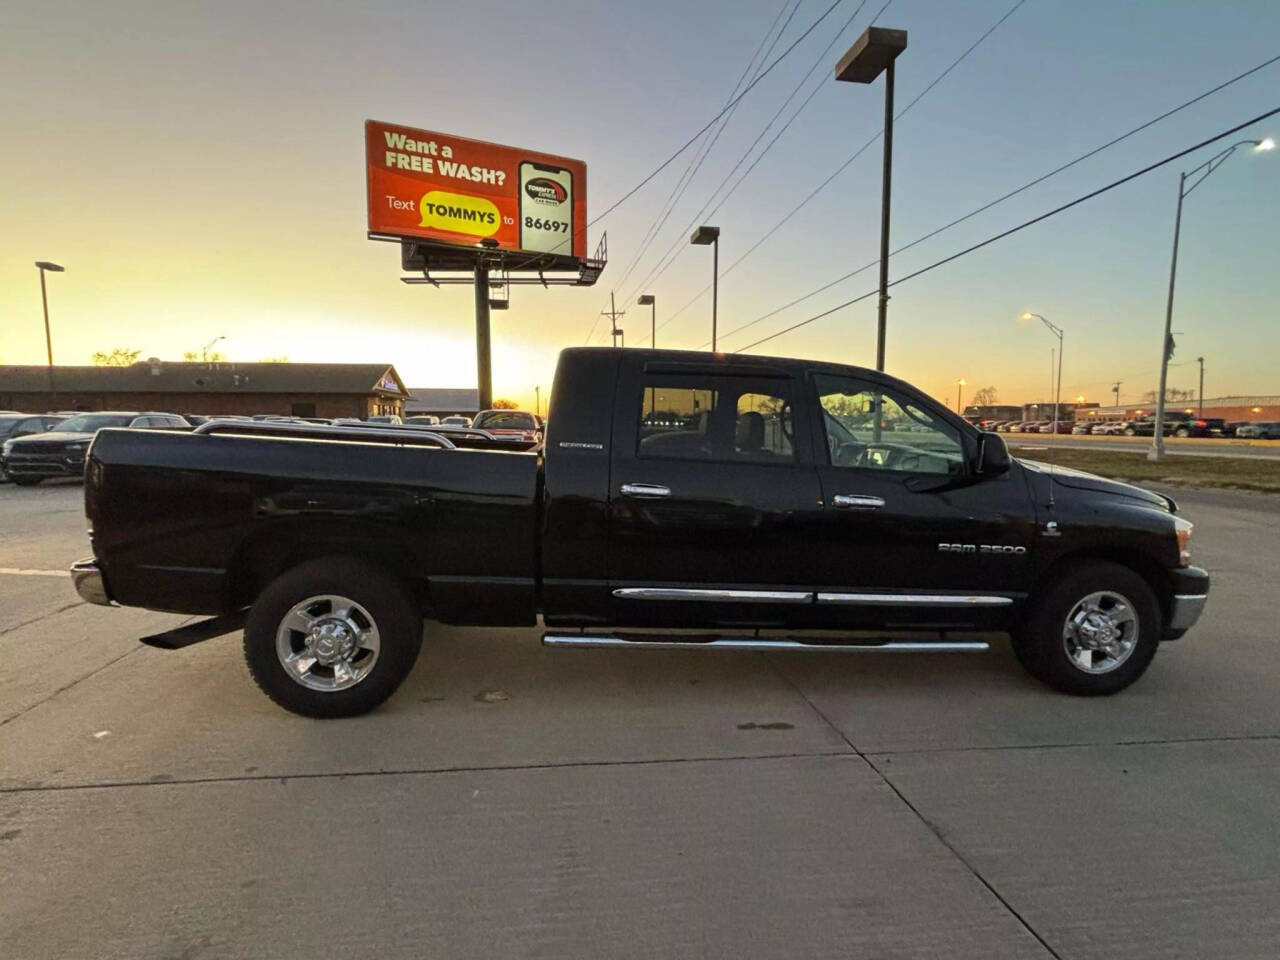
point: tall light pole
(649, 300)
(1200, 360)
(701, 237)
(1057, 332)
(537, 402)
(204, 351)
(959, 387)
(1166, 343)
(42, 266)
(873, 53)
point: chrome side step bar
(649, 642)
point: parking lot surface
(516, 801)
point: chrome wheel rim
(327, 643)
(1101, 632)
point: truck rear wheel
(1093, 632)
(333, 637)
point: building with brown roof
(291, 389)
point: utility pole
(1200, 360)
(537, 401)
(1116, 390)
(613, 313)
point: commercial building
(291, 389)
(1237, 408)
(442, 402)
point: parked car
(457, 420)
(426, 420)
(196, 419)
(1082, 429)
(752, 512)
(1199, 427)
(24, 425)
(384, 418)
(508, 423)
(61, 451)
(1265, 430)
(1062, 426)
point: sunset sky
(198, 169)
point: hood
(1079, 480)
(52, 437)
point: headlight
(4, 450)
(1182, 530)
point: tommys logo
(546, 191)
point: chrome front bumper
(87, 579)
(1186, 609)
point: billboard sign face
(455, 191)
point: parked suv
(15, 425)
(1266, 430)
(60, 452)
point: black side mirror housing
(993, 455)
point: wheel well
(1150, 571)
(264, 557)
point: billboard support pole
(484, 368)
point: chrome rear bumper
(87, 579)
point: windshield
(8, 425)
(506, 420)
(93, 422)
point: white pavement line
(20, 572)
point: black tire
(26, 481)
(1039, 643)
(398, 623)
(1130, 432)
(1182, 432)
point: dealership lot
(520, 801)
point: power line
(1022, 226)
(678, 247)
(699, 156)
(856, 154)
(987, 206)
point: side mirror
(993, 455)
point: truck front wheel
(1092, 632)
(333, 637)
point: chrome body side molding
(915, 599)
(714, 596)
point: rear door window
(717, 419)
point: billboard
(456, 191)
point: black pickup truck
(681, 499)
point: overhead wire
(678, 246)
(1006, 196)
(1022, 226)
(856, 154)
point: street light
(872, 54)
(1166, 344)
(1057, 332)
(204, 351)
(42, 266)
(701, 237)
(959, 387)
(649, 300)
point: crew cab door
(908, 537)
(713, 497)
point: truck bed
(199, 523)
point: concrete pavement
(519, 801)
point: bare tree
(985, 397)
(117, 357)
(193, 356)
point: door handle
(854, 501)
(650, 491)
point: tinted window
(91, 422)
(909, 438)
(734, 421)
(506, 420)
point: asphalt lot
(515, 801)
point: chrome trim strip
(915, 599)
(740, 596)
(855, 501)
(747, 643)
(87, 579)
(644, 490)
(1186, 609)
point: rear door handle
(651, 491)
(854, 501)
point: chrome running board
(652, 642)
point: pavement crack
(68, 686)
(43, 616)
(156, 779)
(1075, 745)
(928, 825)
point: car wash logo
(544, 190)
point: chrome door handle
(651, 491)
(853, 501)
